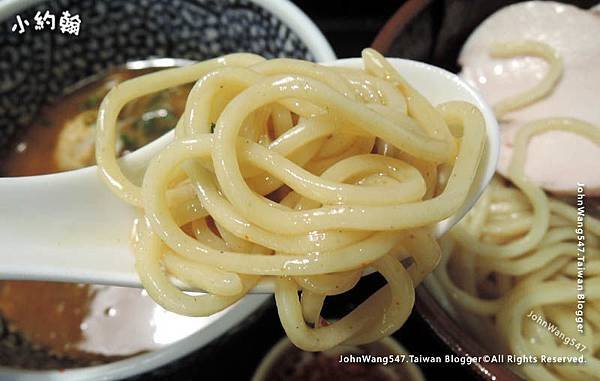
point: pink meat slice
(556, 160)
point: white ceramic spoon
(69, 227)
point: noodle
(300, 173)
(516, 252)
(539, 91)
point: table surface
(349, 26)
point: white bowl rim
(302, 25)
(319, 47)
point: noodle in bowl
(514, 249)
(515, 253)
(511, 271)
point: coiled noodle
(300, 174)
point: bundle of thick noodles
(294, 173)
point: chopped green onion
(91, 102)
(128, 143)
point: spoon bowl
(69, 227)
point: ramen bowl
(435, 32)
(50, 48)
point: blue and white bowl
(37, 66)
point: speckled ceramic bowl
(39, 65)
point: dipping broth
(84, 324)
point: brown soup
(67, 320)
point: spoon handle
(69, 227)
(65, 227)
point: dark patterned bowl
(38, 65)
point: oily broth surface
(68, 319)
